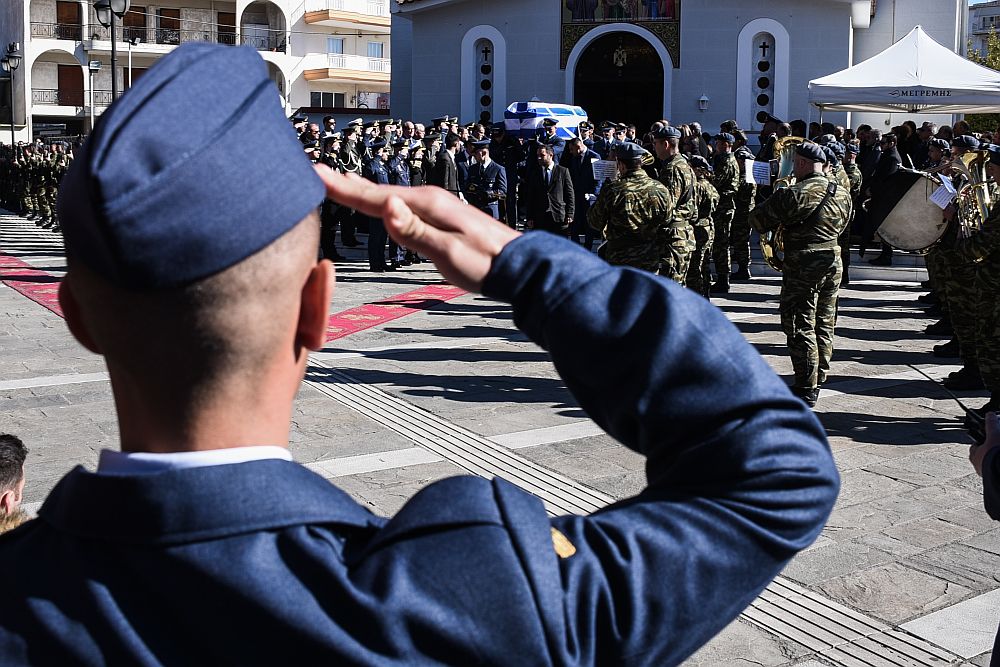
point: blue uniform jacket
(376, 171)
(266, 563)
(485, 185)
(399, 171)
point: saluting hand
(460, 240)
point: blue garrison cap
(668, 132)
(192, 171)
(811, 151)
(630, 151)
(965, 141)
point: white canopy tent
(914, 75)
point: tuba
(771, 242)
(974, 199)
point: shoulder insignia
(564, 548)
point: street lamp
(10, 62)
(106, 11)
(132, 41)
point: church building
(640, 60)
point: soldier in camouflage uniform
(727, 182)
(678, 177)
(632, 212)
(740, 233)
(854, 178)
(706, 197)
(813, 213)
(981, 250)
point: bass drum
(915, 223)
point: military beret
(630, 151)
(940, 144)
(994, 152)
(667, 132)
(838, 149)
(768, 118)
(811, 151)
(743, 153)
(698, 162)
(483, 143)
(826, 140)
(729, 126)
(725, 136)
(853, 148)
(173, 167)
(831, 155)
(965, 141)
(550, 122)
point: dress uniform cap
(550, 122)
(667, 132)
(400, 143)
(452, 120)
(439, 120)
(311, 145)
(357, 122)
(431, 138)
(811, 151)
(607, 125)
(630, 151)
(585, 125)
(173, 167)
(965, 141)
(299, 118)
(725, 136)
(377, 144)
(483, 143)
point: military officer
(727, 182)
(699, 272)
(550, 136)
(376, 171)
(744, 200)
(813, 213)
(606, 142)
(632, 213)
(487, 180)
(676, 174)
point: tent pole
(821, 116)
(810, 120)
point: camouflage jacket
(854, 174)
(839, 174)
(793, 206)
(727, 180)
(983, 248)
(707, 199)
(630, 213)
(678, 176)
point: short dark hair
(12, 455)
(451, 141)
(547, 148)
(326, 118)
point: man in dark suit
(487, 181)
(203, 542)
(551, 202)
(579, 161)
(445, 174)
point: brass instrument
(974, 198)
(771, 241)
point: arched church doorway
(619, 77)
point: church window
(485, 54)
(763, 88)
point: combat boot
(930, 298)
(808, 396)
(741, 273)
(940, 328)
(719, 287)
(966, 379)
(947, 350)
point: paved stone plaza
(905, 573)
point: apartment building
(984, 18)
(325, 56)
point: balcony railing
(56, 31)
(360, 63)
(71, 98)
(221, 34)
(264, 40)
(367, 7)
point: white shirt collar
(130, 463)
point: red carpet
(39, 286)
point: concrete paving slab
(742, 643)
(967, 628)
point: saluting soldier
(813, 213)
(377, 172)
(699, 275)
(676, 174)
(631, 212)
(727, 182)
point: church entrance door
(619, 77)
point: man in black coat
(579, 160)
(551, 201)
(445, 174)
(882, 201)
